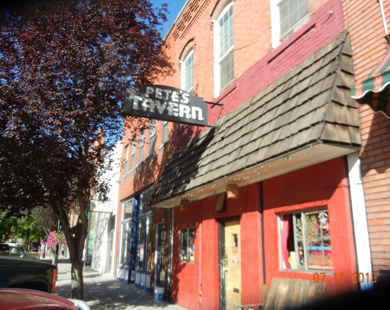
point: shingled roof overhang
(305, 117)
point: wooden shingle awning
(375, 89)
(305, 117)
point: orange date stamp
(339, 277)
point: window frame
(144, 264)
(275, 23)
(188, 255)
(218, 59)
(133, 149)
(126, 159)
(296, 250)
(165, 131)
(125, 236)
(184, 72)
(152, 137)
(141, 145)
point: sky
(174, 7)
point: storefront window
(123, 229)
(127, 209)
(149, 244)
(305, 241)
(141, 251)
(187, 245)
(145, 243)
(124, 256)
(127, 248)
(146, 199)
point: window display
(187, 245)
(305, 241)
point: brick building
(273, 188)
(364, 21)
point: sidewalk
(102, 291)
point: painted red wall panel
(301, 190)
(187, 282)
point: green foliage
(22, 226)
(7, 223)
(63, 71)
(45, 218)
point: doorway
(161, 255)
(230, 264)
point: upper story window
(141, 146)
(224, 48)
(187, 72)
(165, 132)
(152, 135)
(287, 16)
(126, 159)
(133, 146)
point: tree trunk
(77, 282)
(75, 238)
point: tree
(63, 70)
(27, 229)
(7, 222)
(20, 226)
(45, 218)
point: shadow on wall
(184, 134)
(99, 241)
(178, 268)
(152, 168)
(378, 138)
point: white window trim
(275, 23)
(141, 146)
(132, 158)
(126, 159)
(217, 58)
(187, 229)
(165, 123)
(281, 263)
(151, 149)
(184, 72)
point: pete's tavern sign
(165, 103)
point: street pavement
(102, 291)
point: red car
(24, 299)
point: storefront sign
(165, 103)
(100, 206)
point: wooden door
(233, 264)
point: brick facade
(257, 65)
(363, 19)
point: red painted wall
(302, 190)
(187, 282)
(195, 285)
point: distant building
(102, 216)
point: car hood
(23, 299)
